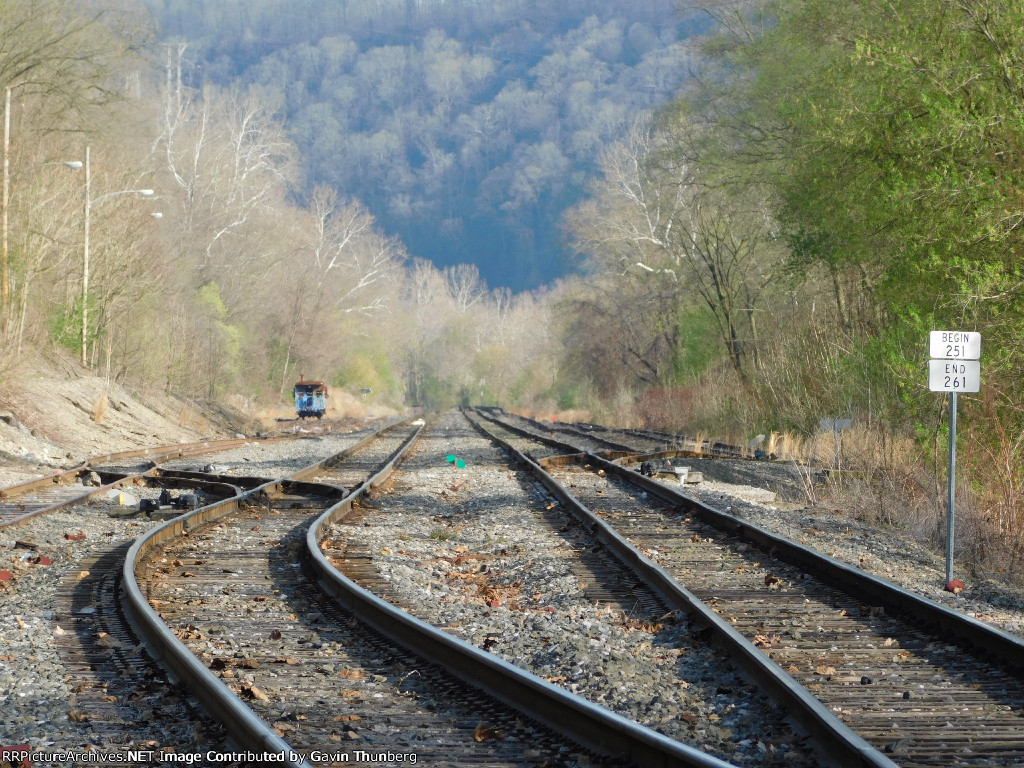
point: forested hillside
(838, 180)
(466, 128)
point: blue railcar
(310, 398)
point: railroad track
(434, 543)
(557, 438)
(924, 685)
(60, 604)
(100, 474)
(22, 502)
(329, 689)
(120, 696)
(61, 591)
(297, 514)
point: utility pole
(4, 204)
(85, 266)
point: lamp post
(3, 203)
(89, 202)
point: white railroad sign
(957, 368)
(954, 368)
(954, 345)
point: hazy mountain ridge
(466, 128)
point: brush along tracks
(232, 590)
(924, 685)
(482, 553)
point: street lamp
(89, 202)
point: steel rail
(996, 644)
(62, 477)
(577, 718)
(313, 469)
(706, 449)
(837, 740)
(246, 729)
(96, 464)
(66, 476)
(115, 484)
(159, 453)
(250, 482)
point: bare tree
(339, 265)
(62, 55)
(630, 221)
(57, 60)
(655, 215)
(226, 156)
(46, 227)
(465, 286)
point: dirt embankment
(49, 423)
(52, 420)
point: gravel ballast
(474, 551)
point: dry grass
(571, 416)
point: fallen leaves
(486, 733)
(188, 632)
(107, 641)
(638, 625)
(254, 693)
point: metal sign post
(951, 498)
(955, 367)
(834, 426)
